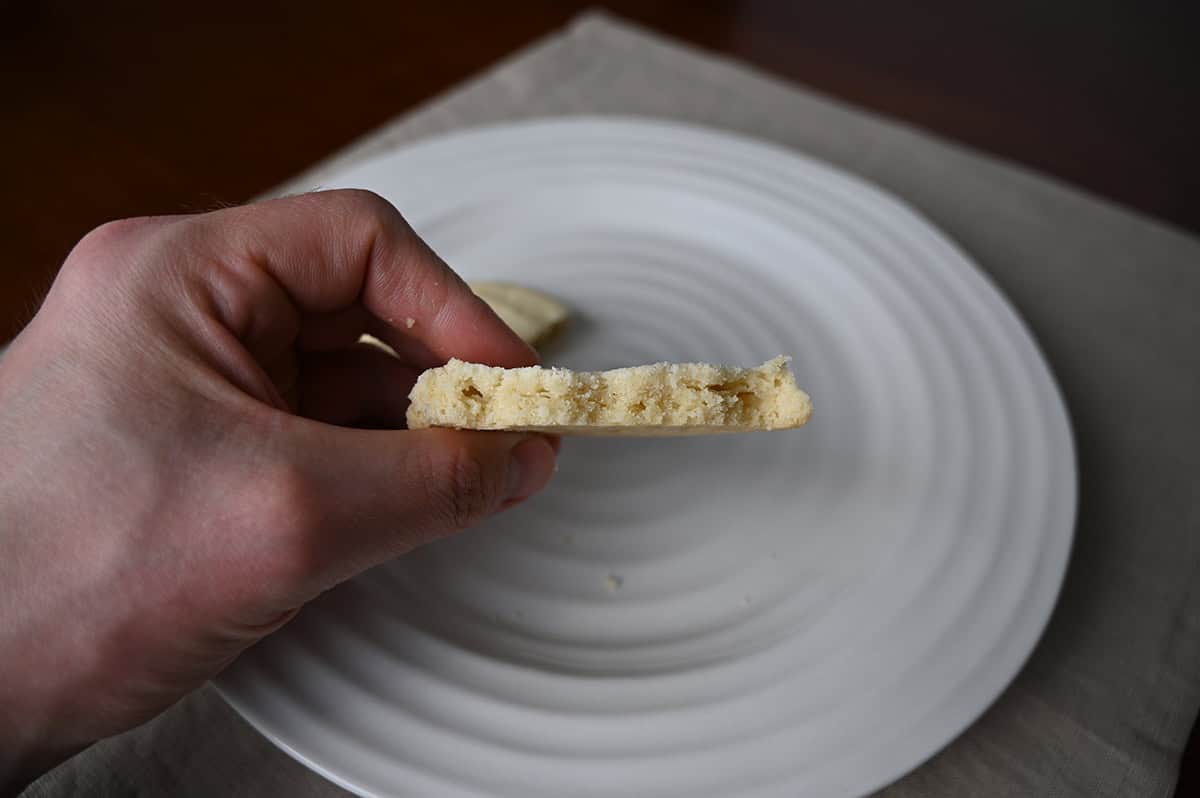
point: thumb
(374, 495)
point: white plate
(808, 613)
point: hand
(172, 483)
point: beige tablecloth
(1104, 706)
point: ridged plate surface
(807, 613)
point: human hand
(172, 483)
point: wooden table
(113, 110)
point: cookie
(663, 399)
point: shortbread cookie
(371, 340)
(534, 316)
(660, 399)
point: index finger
(331, 251)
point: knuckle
(109, 238)
(116, 231)
(367, 205)
(463, 492)
(385, 235)
(105, 252)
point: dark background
(110, 110)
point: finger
(360, 385)
(372, 496)
(330, 251)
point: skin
(180, 470)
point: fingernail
(532, 466)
